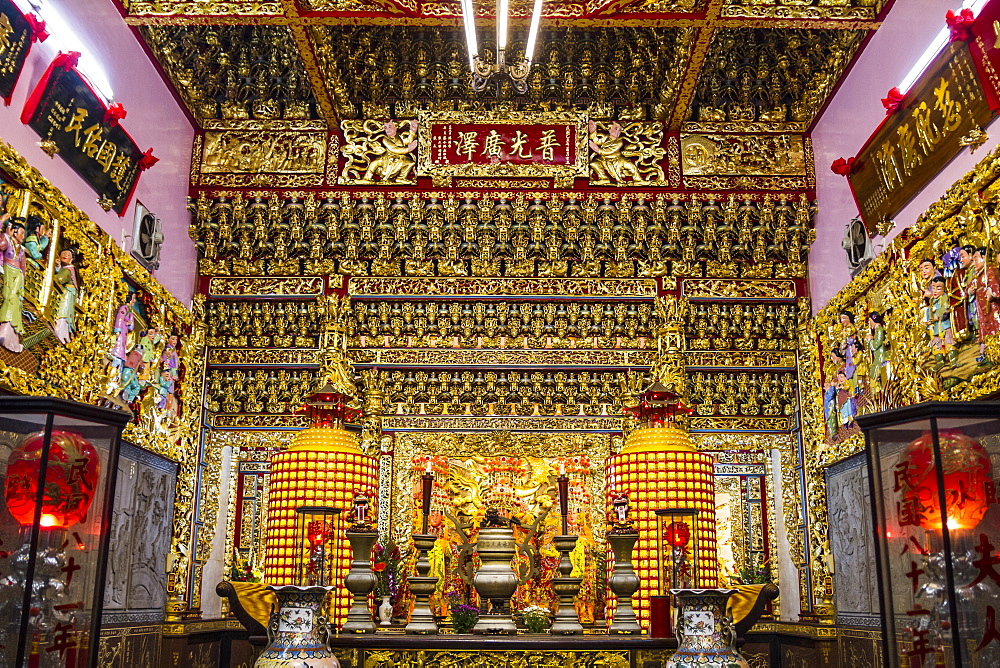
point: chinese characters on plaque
(518, 144)
(15, 42)
(488, 144)
(74, 122)
(938, 117)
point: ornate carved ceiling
(770, 78)
(713, 63)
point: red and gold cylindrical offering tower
(324, 466)
(659, 468)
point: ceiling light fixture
(63, 38)
(940, 41)
(515, 69)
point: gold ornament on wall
(626, 154)
(379, 152)
(73, 359)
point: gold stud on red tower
(659, 468)
(323, 466)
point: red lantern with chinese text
(678, 534)
(71, 476)
(966, 468)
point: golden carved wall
(153, 363)
(500, 302)
(882, 342)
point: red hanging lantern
(316, 533)
(71, 478)
(678, 534)
(967, 471)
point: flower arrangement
(242, 570)
(748, 575)
(536, 618)
(389, 569)
(464, 617)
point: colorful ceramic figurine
(985, 290)
(937, 318)
(65, 279)
(36, 241)
(124, 323)
(148, 342)
(11, 323)
(875, 341)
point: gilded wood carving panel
(101, 329)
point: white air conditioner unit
(858, 245)
(147, 238)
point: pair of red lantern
(72, 473)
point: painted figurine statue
(66, 280)
(11, 323)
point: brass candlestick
(566, 621)
(563, 483)
(360, 580)
(422, 586)
(623, 581)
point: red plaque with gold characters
(984, 45)
(491, 144)
(512, 145)
(942, 113)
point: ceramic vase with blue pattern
(705, 634)
(298, 632)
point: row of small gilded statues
(414, 324)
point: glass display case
(678, 547)
(57, 460)
(316, 535)
(937, 531)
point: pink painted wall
(849, 120)
(154, 120)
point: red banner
(489, 144)
(984, 45)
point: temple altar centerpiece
(660, 465)
(495, 581)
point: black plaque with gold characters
(73, 121)
(15, 42)
(942, 113)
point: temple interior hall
(499, 333)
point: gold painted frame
(442, 174)
(892, 285)
(79, 370)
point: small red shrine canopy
(329, 407)
(658, 405)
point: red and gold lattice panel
(660, 479)
(325, 469)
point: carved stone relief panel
(140, 537)
(855, 580)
